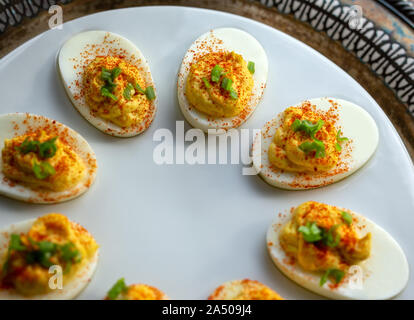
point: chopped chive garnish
(127, 91)
(70, 255)
(115, 73)
(329, 239)
(226, 84)
(42, 252)
(106, 93)
(339, 138)
(347, 217)
(335, 273)
(43, 170)
(150, 93)
(316, 145)
(307, 126)
(251, 67)
(16, 243)
(109, 76)
(28, 146)
(206, 83)
(216, 73)
(45, 149)
(106, 75)
(233, 94)
(139, 89)
(338, 146)
(119, 287)
(48, 148)
(311, 232)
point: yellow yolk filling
(244, 290)
(69, 167)
(316, 256)
(33, 278)
(284, 152)
(214, 100)
(122, 111)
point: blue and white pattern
(386, 57)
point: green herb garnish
(216, 73)
(233, 94)
(109, 76)
(119, 287)
(45, 149)
(42, 252)
(28, 146)
(46, 246)
(227, 84)
(106, 75)
(139, 89)
(206, 83)
(127, 91)
(251, 67)
(311, 129)
(16, 243)
(337, 274)
(48, 148)
(43, 170)
(338, 146)
(107, 93)
(150, 93)
(70, 254)
(308, 127)
(315, 145)
(331, 238)
(115, 72)
(347, 217)
(311, 232)
(339, 139)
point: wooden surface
(396, 111)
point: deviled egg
(314, 144)
(337, 253)
(222, 79)
(109, 82)
(42, 160)
(245, 289)
(121, 291)
(47, 258)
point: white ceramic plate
(188, 228)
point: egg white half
(356, 124)
(228, 39)
(82, 49)
(384, 274)
(69, 291)
(17, 124)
